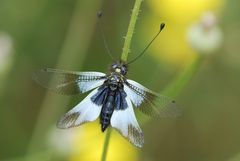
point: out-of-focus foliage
(63, 34)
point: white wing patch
(85, 111)
(134, 97)
(86, 85)
(125, 122)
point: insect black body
(107, 110)
(111, 95)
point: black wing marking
(120, 100)
(149, 102)
(100, 96)
(68, 82)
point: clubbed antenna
(162, 25)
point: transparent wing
(68, 82)
(125, 122)
(85, 111)
(149, 102)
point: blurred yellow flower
(178, 16)
(88, 144)
(183, 11)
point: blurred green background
(62, 34)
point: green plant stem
(106, 143)
(128, 38)
(124, 57)
(177, 85)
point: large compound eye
(123, 70)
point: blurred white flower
(205, 36)
(61, 141)
(6, 46)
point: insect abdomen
(107, 110)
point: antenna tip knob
(99, 14)
(162, 26)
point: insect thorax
(115, 81)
